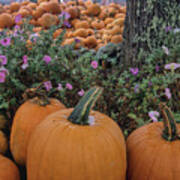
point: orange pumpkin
(38, 12)
(52, 7)
(6, 20)
(15, 6)
(77, 144)
(73, 11)
(90, 42)
(116, 39)
(27, 117)
(98, 24)
(153, 150)
(80, 32)
(47, 20)
(81, 24)
(94, 9)
(8, 170)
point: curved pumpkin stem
(80, 115)
(170, 129)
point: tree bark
(145, 25)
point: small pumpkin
(98, 24)
(80, 32)
(8, 170)
(15, 6)
(27, 117)
(47, 20)
(94, 9)
(6, 20)
(153, 150)
(52, 7)
(77, 144)
(73, 11)
(90, 42)
(116, 38)
(81, 24)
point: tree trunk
(145, 25)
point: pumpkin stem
(170, 130)
(80, 114)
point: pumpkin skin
(8, 170)
(76, 152)
(150, 156)
(6, 20)
(27, 117)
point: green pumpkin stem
(170, 129)
(80, 114)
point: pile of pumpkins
(55, 142)
(94, 25)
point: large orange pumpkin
(154, 150)
(8, 170)
(74, 145)
(6, 20)
(27, 117)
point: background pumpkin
(153, 150)
(76, 146)
(27, 117)
(8, 170)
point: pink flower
(48, 85)
(172, 66)
(59, 87)
(69, 86)
(25, 62)
(81, 92)
(168, 93)
(157, 68)
(2, 77)
(166, 50)
(5, 41)
(18, 18)
(47, 59)
(153, 115)
(94, 64)
(134, 71)
(3, 60)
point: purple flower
(149, 84)
(94, 64)
(47, 59)
(16, 27)
(168, 93)
(168, 28)
(77, 40)
(48, 85)
(134, 71)
(18, 18)
(2, 77)
(65, 15)
(166, 50)
(81, 92)
(172, 66)
(136, 88)
(59, 87)
(153, 115)
(3, 69)
(69, 86)
(25, 62)
(3, 60)
(67, 24)
(5, 41)
(157, 68)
